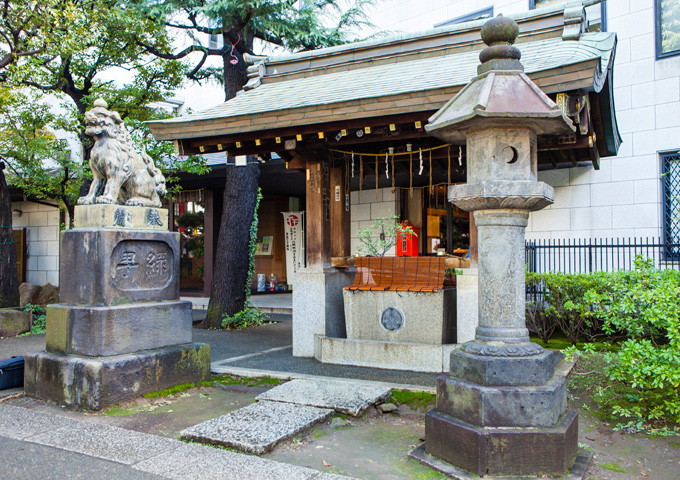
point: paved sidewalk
(51, 446)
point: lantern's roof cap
(501, 95)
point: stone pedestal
(120, 330)
(318, 307)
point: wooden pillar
(473, 241)
(318, 214)
(340, 215)
(209, 239)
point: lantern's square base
(577, 471)
(503, 451)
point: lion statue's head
(99, 122)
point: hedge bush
(563, 306)
(639, 307)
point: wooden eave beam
(267, 137)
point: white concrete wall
(366, 207)
(42, 236)
(623, 198)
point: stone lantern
(502, 409)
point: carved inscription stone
(121, 217)
(118, 266)
(139, 264)
(153, 218)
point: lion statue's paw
(84, 201)
(103, 200)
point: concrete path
(40, 445)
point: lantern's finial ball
(500, 30)
(100, 102)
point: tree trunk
(232, 253)
(227, 295)
(9, 279)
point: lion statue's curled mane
(120, 174)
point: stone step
(344, 397)
(257, 428)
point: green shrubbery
(639, 310)
(564, 307)
(38, 322)
(250, 316)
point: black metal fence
(598, 255)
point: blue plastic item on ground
(12, 373)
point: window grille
(671, 198)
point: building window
(478, 15)
(671, 199)
(595, 14)
(667, 13)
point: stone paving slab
(191, 462)
(21, 423)
(344, 397)
(107, 442)
(257, 428)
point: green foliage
(252, 246)
(639, 391)
(239, 22)
(382, 235)
(191, 220)
(643, 305)
(37, 161)
(248, 317)
(39, 319)
(569, 304)
(85, 42)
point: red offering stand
(407, 244)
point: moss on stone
(178, 388)
(613, 467)
(120, 301)
(414, 400)
(249, 382)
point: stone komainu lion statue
(120, 174)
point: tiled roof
(419, 75)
